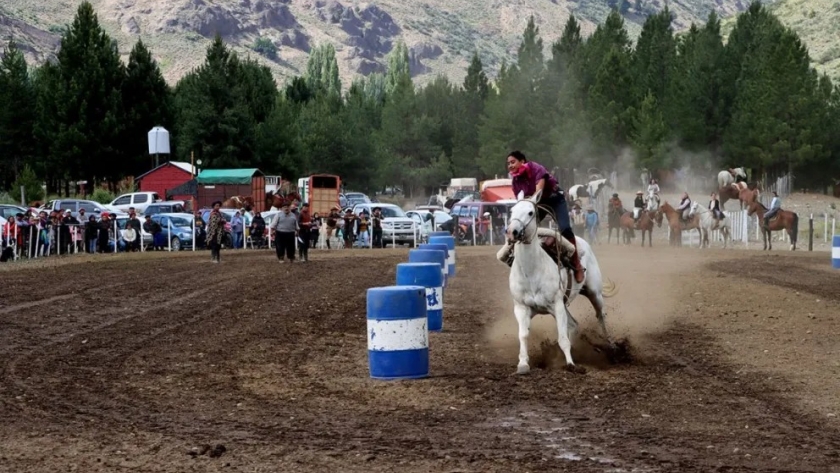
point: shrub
(103, 196)
(32, 187)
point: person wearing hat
(304, 231)
(578, 219)
(349, 224)
(332, 223)
(615, 203)
(638, 205)
(104, 233)
(134, 223)
(284, 228)
(376, 225)
(153, 228)
(215, 232)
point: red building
(165, 177)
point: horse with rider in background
(614, 212)
(781, 220)
(677, 225)
(708, 222)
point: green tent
(227, 176)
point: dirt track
(139, 365)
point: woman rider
(530, 177)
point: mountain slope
(441, 34)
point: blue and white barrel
(449, 241)
(397, 332)
(426, 275)
(437, 234)
(444, 267)
(835, 252)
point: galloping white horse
(539, 286)
(707, 222)
(729, 176)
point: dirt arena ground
(162, 362)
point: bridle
(521, 237)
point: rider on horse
(653, 186)
(615, 203)
(685, 207)
(530, 177)
(714, 206)
(638, 206)
(775, 206)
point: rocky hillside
(441, 34)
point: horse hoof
(523, 369)
(576, 369)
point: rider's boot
(505, 254)
(575, 260)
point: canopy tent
(228, 176)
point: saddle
(557, 247)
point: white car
(397, 227)
(138, 200)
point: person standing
(305, 231)
(284, 227)
(236, 229)
(215, 232)
(376, 223)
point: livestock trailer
(222, 184)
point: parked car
(169, 206)
(181, 227)
(396, 225)
(138, 200)
(74, 205)
(8, 212)
(354, 198)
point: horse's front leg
(564, 318)
(523, 317)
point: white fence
(739, 230)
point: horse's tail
(794, 232)
(610, 288)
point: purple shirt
(527, 181)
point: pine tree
(17, 115)
(649, 133)
(653, 58)
(90, 115)
(49, 163)
(148, 103)
(476, 83)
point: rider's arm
(540, 185)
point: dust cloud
(649, 288)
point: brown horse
(745, 193)
(276, 200)
(646, 220)
(783, 220)
(628, 227)
(238, 202)
(676, 224)
(614, 222)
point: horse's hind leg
(523, 317)
(597, 301)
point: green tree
(322, 74)
(649, 133)
(90, 115)
(17, 114)
(49, 163)
(31, 186)
(148, 103)
(398, 74)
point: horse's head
(523, 223)
(692, 210)
(739, 172)
(752, 207)
(658, 217)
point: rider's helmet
(640, 193)
(615, 195)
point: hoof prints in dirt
(599, 355)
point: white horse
(652, 200)
(591, 189)
(539, 286)
(707, 223)
(729, 176)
